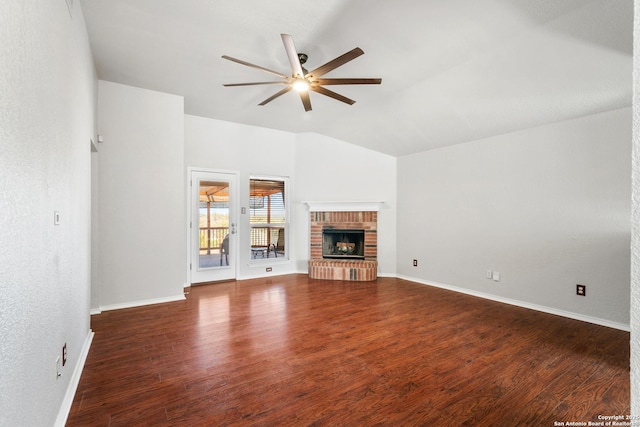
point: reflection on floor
(293, 351)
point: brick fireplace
(364, 268)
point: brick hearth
(337, 269)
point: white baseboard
(380, 274)
(141, 303)
(544, 309)
(63, 413)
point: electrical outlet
(489, 274)
(415, 262)
(64, 354)
(581, 290)
(269, 269)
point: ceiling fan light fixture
(301, 85)
(303, 81)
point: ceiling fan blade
(248, 64)
(348, 81)
(280, 93)
(255, 83)
(292, 53)
(306, 100)
(333, 64)
(331, 94)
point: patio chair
(224, 250)
(279, 246)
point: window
(268, 218)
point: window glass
(268, 218)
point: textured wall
(47, 105)
(546, 207)
(142, 193)
(635, 220)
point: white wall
(635, 243)
(141, 197)
(320, 168)
(47, 107)
(331, 170)
(248, 150)
(547, 207)
(95, 222)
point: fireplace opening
(342, 243)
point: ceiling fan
(304, 81)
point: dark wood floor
(290, 351)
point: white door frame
(232, 272)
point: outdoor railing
(211, 238)
(264, 236)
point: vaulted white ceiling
(452, 71)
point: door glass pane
(214, 224)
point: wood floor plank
(293, 351)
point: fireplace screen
(343, 243)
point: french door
(212, 226)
